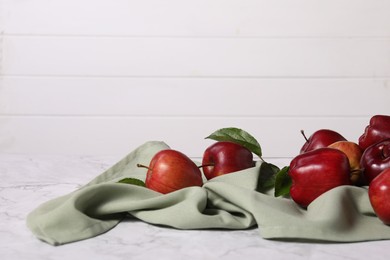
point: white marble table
(27, 181)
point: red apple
(319, 139)
(375, 159)
(315, 172)
(379, 195)
(376, 131)
(170, 170)
(225, 157)
(354, 154)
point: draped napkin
(230, 201)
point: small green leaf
(238, 136)
(132, 181)
(282, 182)
(267, 177)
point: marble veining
(27, 181)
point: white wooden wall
(100, 77)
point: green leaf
(282, 182)
(132, 181)
(267, 176)
(238, 136)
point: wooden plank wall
(100, 77)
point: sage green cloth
(231, 201)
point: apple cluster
(325, 161)
(171, 170)
(328, 160)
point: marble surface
(29, 180)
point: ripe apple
(225, 157)
(375, 159)
(354, 153)
(171, 170)
(379, 195)
(315, 172)
(320, 138)
(377, 130)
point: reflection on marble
(27, 181)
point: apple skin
(170, 170)
(315, 172)
(225, 157)
(375, 159)
(379, 195)
(321, 138)
(354, 153)
(377, 130)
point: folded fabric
(231, 201)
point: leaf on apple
(267, 175)
(282, 182)
(239, 136)
(132, 181)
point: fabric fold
(231, 201)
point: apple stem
(142, 166)
(304, 136)
(206, 165)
